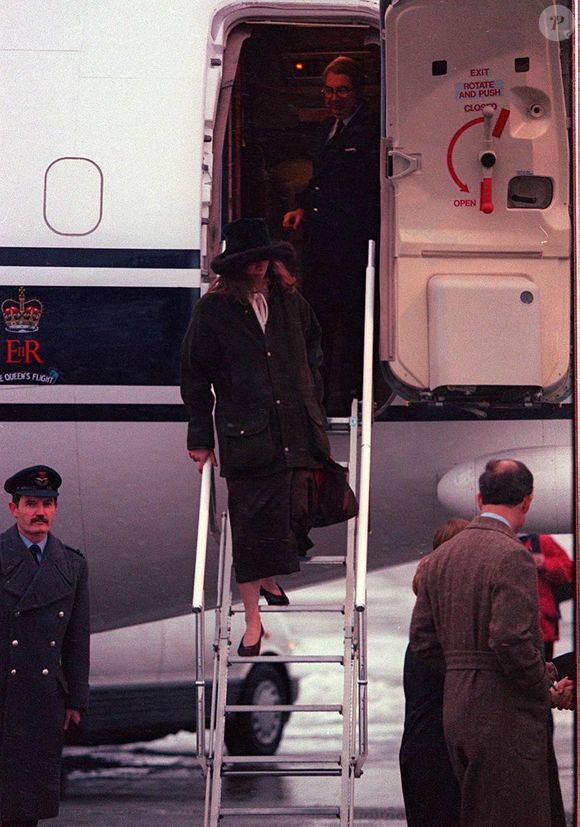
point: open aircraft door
(476, 231)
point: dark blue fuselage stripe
(92, 413)
(147, 412)
(99, 257)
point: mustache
(40, 520)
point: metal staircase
(348, 761)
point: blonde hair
(240, 285)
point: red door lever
(485, 196)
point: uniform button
(52, 643)
(315, 209)
(15, 643)
(316, 189)
(278, 402)
(45, 671)
(16, 614)
(13, 671)
(61, 614)
(268, 353)
(286, 450)
(242, 431)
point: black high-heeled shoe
(251, 651)
(275, 599)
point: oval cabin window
(73, 196)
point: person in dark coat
(340, 211)
(255, 341)
(44, 649)
(430, 789)
(477, 618)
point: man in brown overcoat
(476, 616)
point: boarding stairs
(348, 760)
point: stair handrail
(197, 602)
(366, 433)
(363, 515)
(197, 605)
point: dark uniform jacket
(342, 198)
(268, 412)
(476, 616)
(44, 668)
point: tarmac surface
(141, 785)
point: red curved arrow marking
(463, 187)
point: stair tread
(284, 708)
(273, 811)
(289, 758)
(287, 659)
(296, 607)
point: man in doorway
(477, 617)
(340, 212)
(44, 649)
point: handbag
(335, 501)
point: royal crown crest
(21, 316)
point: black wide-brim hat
(36, 481)
(248, 240)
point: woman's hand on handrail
(200, 455)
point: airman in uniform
(44, 649)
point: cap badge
(41, 479)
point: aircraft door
(218, 129)
(475, 277)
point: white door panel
(474, 191)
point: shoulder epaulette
(75, 551)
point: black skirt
(270, 519)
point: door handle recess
(411, 161)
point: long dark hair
(240, 286)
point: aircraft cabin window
(73, 196)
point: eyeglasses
(340, 92)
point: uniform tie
(260, 306)
(36, 552)
(335, 132)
